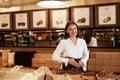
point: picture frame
(21, 20)
(83, 16)
(59, 18)
(39, 19)
(5, 21)
(106, 15)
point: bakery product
(45, 77)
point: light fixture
(51, 3)
(3, 0)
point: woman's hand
(72, 62)
(80, 63)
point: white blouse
(69, 49)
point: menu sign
(82, 15)
(5, 23)
(39, 19)
(106, 15)
(59, 18)
(21, 20)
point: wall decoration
(21, 20)
(106, 15)
(82, 15)
(59, 18)
(5, 21)
(39, 19)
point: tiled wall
(104, 61)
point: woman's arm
(85, 57)
(57, 53)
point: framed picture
(5, 21)
(39, 19)
(21, 20)
(106, 15)
(83, 16)
(59, 18)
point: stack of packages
(6, 58)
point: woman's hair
(88, 35)
(66, 27)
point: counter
(100, 58)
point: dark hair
(88, 35)
(66, 27)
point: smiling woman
(74, 49)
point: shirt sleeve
(57, 53)
(85, 57)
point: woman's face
(72, 30)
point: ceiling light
(3, 0)
(51, 3)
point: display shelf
(30, 38)
(105, 38)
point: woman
(90, 40)
(74, 49)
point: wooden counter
(100, 58)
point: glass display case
(117, 38)
(106, 37)
(31, 38)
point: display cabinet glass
(31, 38)
(106, 37)
(117, 38)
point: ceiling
(15, 3)
(11, 3)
